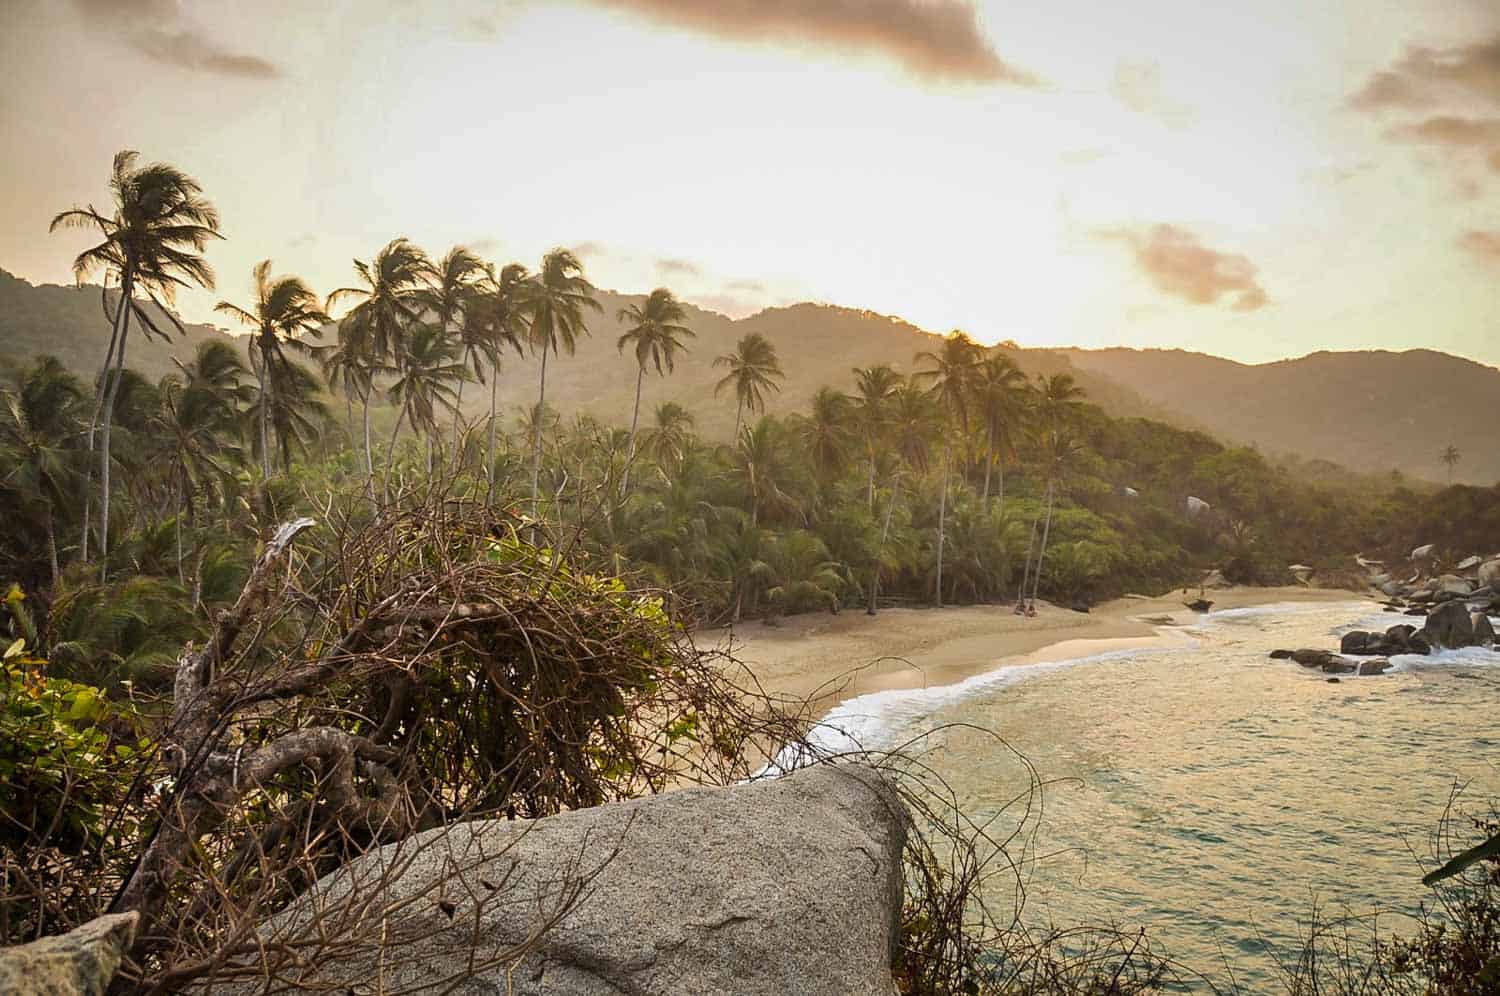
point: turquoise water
(1207, 792)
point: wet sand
(825, 659)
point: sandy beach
(826, 658)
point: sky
(1254, 180)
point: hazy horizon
(1253, 187)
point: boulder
(1329, 663)
(1377, 666)
(782, 885)
(1449, 625)
(1355, 641)
(1484, 631)
(1489, 572)
(1451, 584)
(1281, 655)
(79, 963)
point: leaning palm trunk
(942, 516)
(458, 409)
(390, 450)
(369, 447)
(111, 394)
(489, 470)
(1026, 571)
(885, 531)
(99, 390)
(1036, 581)
(536, 442)
(265, 413)
(635, 418)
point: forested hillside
(1369, 411)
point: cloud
(1450, 131)
(585, 250)
(1137, 85)
(155, 29)
(1178, 264)
(936, 39)
(746, 286)
(1427, 77)
(1483, 245)
(678, 268)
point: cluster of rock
(1450, 625)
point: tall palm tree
(498, 317)
(827, 432)
(37, 425)
(286, 313)
(669, 438)
(153, 243)
(457, 283)
(297, 411)
(951, 370)
(654, 328)
(555, 300)
(753, 370)
(873, 388)
(373, 334)
(1058, 450)
(1451, 457)
(425, 382)
(914, 420)
(1000, 395)
(758, 460)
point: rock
(1450, 584)
(1415, 611)
(79, 963)
(1338, 665)
(1281, 655)
(1329, 663)
(782, 885)
(1378, 666)
(1489, 572)
(1418, 644)
(1468, 563)
(1354, 642)
(1424, 552)
(1332, 681)
(1484, 632)
(1200, 604)
(1449, 625)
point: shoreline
(821, 660)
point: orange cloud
(1484, 245)
(938, 39)
(1424, 77)
(1178, 264)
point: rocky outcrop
(79, 963)
(1449, 625)
(778, 886)
(1401, 639)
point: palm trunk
(177, 529)
(390, 450)
(1026, 571)
(870, 487)
(369, 448)
(265, 413)
(1000, 483)
(739, 411)
(52, 549)
(99, 390)
(1036, 582)
(635, 418)
(126, 286)
(989, 463)
(458, 407)
(885, 530)
(489, 470)
(536, 440)
(942, 516)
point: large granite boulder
(784, 885)
(1484, 630)
(81, 962)
(1449, 625)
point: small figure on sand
(1025, 607)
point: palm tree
(753, 370)
(758, 461)
(296, 411)
(873, 389)
(1000, 393)
(1058, 450)
(668, 440)
(498, 315)
(37, 424)
(374, 331)
(348, 367)
(285, 311)
(153, 244)
(914, 418)
(828, 433)
(425, 381)
(654, 328)
(457, 283)
(555, 300)
(951, 370)
(1451, 457)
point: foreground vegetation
(145, 518)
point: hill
(1372, 411)
(69, 323)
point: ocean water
(1203, 790)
